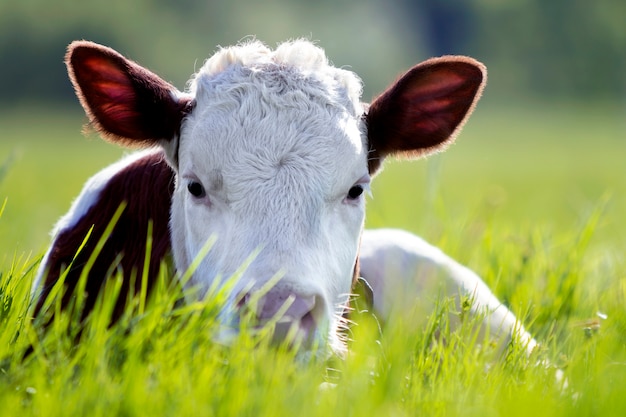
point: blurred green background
(545, 148)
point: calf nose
(294, 317)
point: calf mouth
(299, 324)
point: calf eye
(196, 189)
(355, 192)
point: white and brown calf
(270, 152)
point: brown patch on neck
(357, 263)
(357, 272)
(146, 186)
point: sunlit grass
(161, 358)
(533, 205)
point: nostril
(242, 300)
(308, 323)
(300, 307)
(293, 317)
(301, 322)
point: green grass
(531, 198)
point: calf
(269, 152)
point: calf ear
(125, 102)
(425, 109)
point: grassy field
(532, 198)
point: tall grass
(547, 240)
(161, 358)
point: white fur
(277, 141)
(406, 272)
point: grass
(532, 199)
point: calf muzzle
(293, 318)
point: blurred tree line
(557, 48)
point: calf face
(272, 152)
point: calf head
(273, 152)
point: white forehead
(258, 110)
(299, 60)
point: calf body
(407, 275)
(144, 184)
(270, 152)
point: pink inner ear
(111, 95)
(127, 103)
(438, 104)
(103, 68)
(440, 82)
(423, 111)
